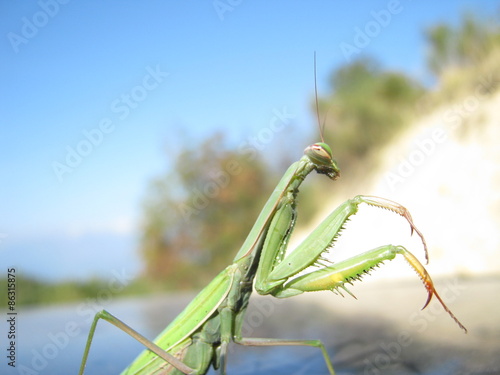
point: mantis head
(320, 155)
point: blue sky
(136, 75)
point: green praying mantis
(200, 335)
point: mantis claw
(429, 285)
(400, 210)
(407, 216)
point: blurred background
(139, 142)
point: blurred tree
(466, 44)
(440, 40)
(197, 216)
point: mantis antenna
(321, 127)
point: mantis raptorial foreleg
(280, 279)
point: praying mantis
(200, 335)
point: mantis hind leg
(136, 335)
(247, 341)
(253, 341)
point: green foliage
(470, 42)
(465, 58)
(30, 291)
(197, 216)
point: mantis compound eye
(320, 155)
